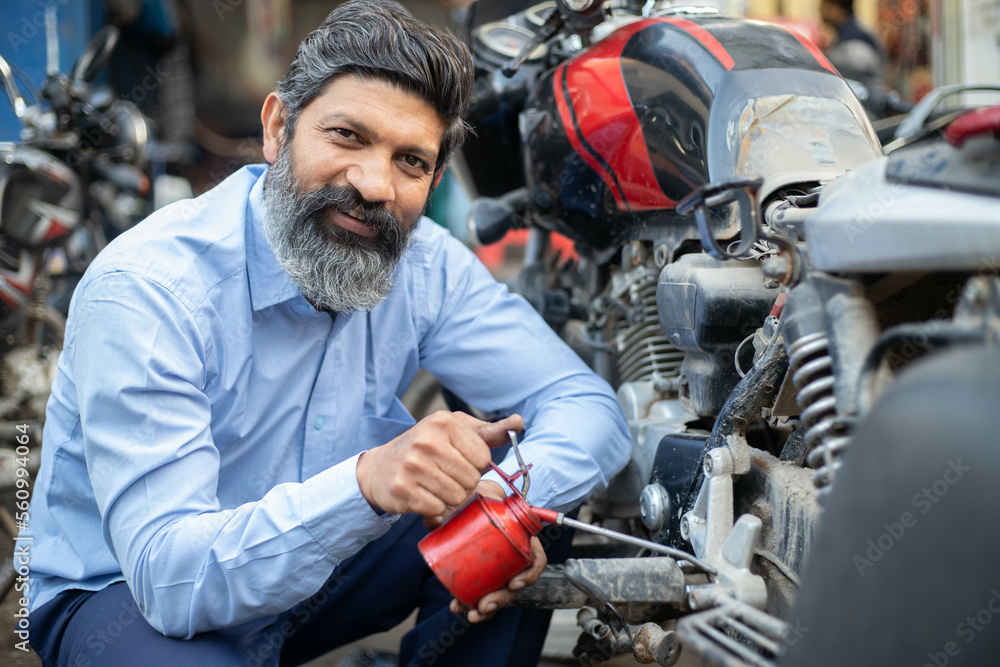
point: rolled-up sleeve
(146, 421)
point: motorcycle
(752, 275)
(75, 179)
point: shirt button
(318, 422)
(364, 540)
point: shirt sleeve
(140, 370)
(493, 349)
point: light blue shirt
(204, 428)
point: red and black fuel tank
(615, 136)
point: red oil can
(481, 546)
(484, 543)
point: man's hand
(486, 487)
(497, 600)
(432, 467)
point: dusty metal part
(649, 643)
(780, 565)
(629, 579)
(778, 267)
(735, 579)
(754, 392)
(600, 641)
(703, 596)
(734, 565)
(794, 449)
(710, 520)
(726, 546)
(736, 444)
(651, 417)
(654, 507)
(784, 401)
(551, 591)
(785, 267)
(587, 619)
(782, 496)
(734, 635)
(652, 645)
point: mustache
(344, 198)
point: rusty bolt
(655, 646)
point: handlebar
(10, 87)
(918, 116)
(96, 55)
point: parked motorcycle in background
(752, 275)
(74, 180)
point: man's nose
(372, 178)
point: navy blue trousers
(370, 592)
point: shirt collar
(269, 283)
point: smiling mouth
(357, 213)
(351, 221)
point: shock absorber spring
(826, 435)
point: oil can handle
(522, 469)
(510, 478)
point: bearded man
(229, 476)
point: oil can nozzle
(560, 519)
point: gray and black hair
(379, 39)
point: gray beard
(335, 269)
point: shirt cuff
(336, 513)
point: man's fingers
(494, 434)
(490, 605)
(530, 575)
(469, 435)
(445, 489)
(457, 464)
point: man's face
(346, 190)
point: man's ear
(272, 117)
(437, 177)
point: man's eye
(414, 161)
(346, 134)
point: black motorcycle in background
(802, 331)
(75, 179)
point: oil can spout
(548, 516)
(558, 518)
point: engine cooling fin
(644, 352)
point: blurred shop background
(200, 69)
